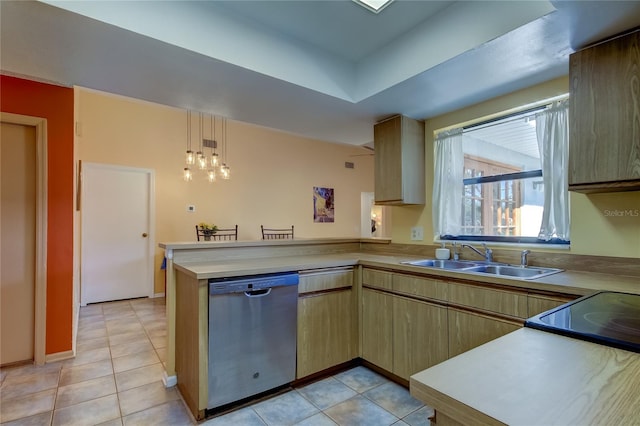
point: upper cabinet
(399, 161)
(604, 124)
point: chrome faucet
(488, 253)
(523, 258)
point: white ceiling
(322, 69)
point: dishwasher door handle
(258, 293)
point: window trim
(516, 115)
(506, 240)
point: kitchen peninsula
(531, 377)
(498, 305)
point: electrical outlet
(417, 233)
(191, 208)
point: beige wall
(273, 173)
(596, 228)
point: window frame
(487, 199)
(507, 240)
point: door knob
(144, 235)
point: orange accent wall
(54, 103)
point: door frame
(40, 302)
(150, 173)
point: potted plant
(207, 229)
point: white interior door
(18, 242)
(117, 245)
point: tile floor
(116, 379)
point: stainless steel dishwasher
(252, 335)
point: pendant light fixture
(187, 175)
(189, 158)
(213, 165)
(215, 161)
(225, 171)
(200, 157)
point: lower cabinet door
(420, 336)
(377, 328)
(325, 331)
(468, 330)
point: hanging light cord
(224, 123)
(188, 130)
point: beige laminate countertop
(568, 282)
(527, 377)
(531, 377)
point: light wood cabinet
(377, 328)
(468, 330)
(325, 331)
(419, 336)
(399, 161)
(500, 301)
(604, 149)
(326, 320)
(420, 286)
(410, 323)
(538, 303)
(378, 279)
(192, 342)
(403, 335)
(325, 279)
(478, 314)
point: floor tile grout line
(122, 416)
(82, 381)
(115, 382)
(55, 398)
(139, 312)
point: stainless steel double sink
(485, 268)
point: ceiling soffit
(217, 30)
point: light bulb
(187, 175)
(225, 171)
(214, 160)
(202, 160)
(211, 175)
(189, 158)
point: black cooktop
(608, 317)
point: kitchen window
(504, 179)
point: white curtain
(552, 129)
(448, 183)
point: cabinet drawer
(538, 303)
(325, 279)
(375, 278)
(417, 286)
(489, 299)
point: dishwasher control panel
(252, 282)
